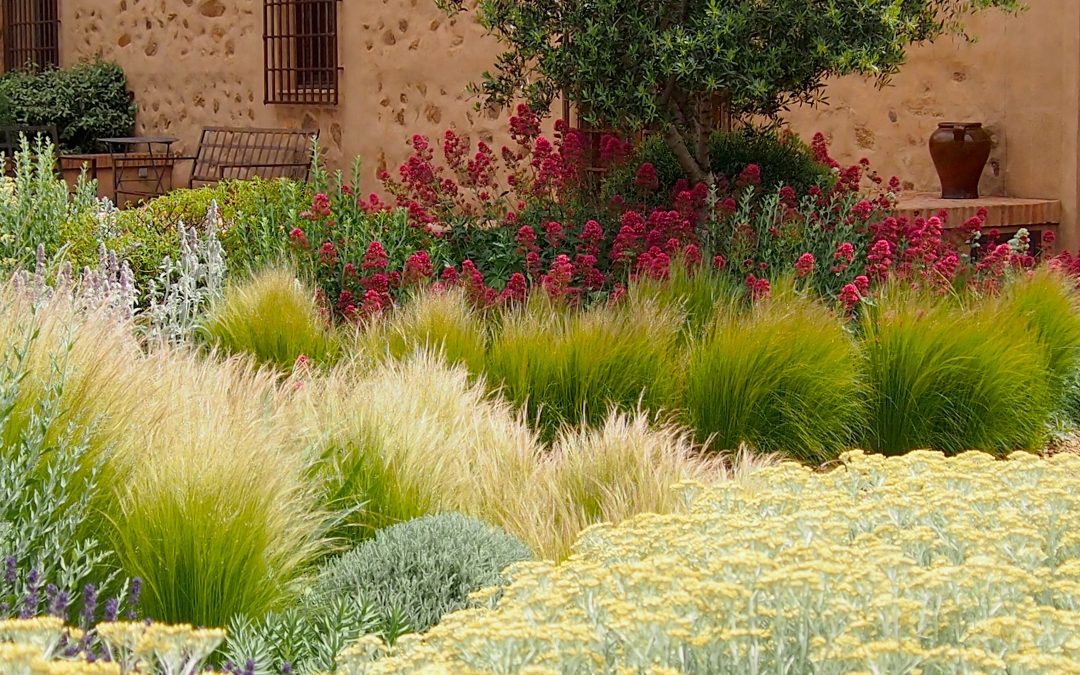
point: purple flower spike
(58, 601)
(11, 570)
(89, 604)
(133, 598)
(112, 609)
(30, 602)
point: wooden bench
(237, 153)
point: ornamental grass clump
(782, 378)
(952, 378)
(274, 318)
(572, 367)
(216, 515)
(415, 437)
(1047, 303)
(432, 321)
(203, 470)
(791, 570)
(696, 292)
(610, 473)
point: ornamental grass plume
(274, 318)
(203, 467)
(1048, 303)
(627, 466)
(945, 375)
(694, 291)
(783, 377)
(415, 437)
(570, 367)
(442, 322)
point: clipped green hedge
(86, 102)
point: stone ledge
(1002, 212)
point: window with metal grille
(300, 40)
(31, 33)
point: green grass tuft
(950, 378)
(782, 378)
(573, 367)
(274, 318)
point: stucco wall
(199, 62)
(1019, 78)
(195, 63)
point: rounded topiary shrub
(422, 569)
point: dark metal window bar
(31, 34)
(300, 50)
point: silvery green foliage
(48, 484)
(35, 202)
(422, 569)
(106, 216)
(107, 288)
(304, 639)
(185, 287)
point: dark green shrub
(783, 159)
(86, 102)
(421, 569)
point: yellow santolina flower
(919, 564)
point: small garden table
(153, 167)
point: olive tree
(665, 64)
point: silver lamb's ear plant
(110, 287)
(185, 288)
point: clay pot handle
(959, 133)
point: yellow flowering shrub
(917, 564)
(33, 647)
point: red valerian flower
(1048, 237)
(862, 284)
(516, 288)
(719, 262)
(298, 238)
(417, 268)
(373, 304)
(646, 178)
(804, 266)
(691, 255)
(759, 287)
(328, 254)
(850, 296)
(557, 281)
(553, 233)
(845, 252)
(375, 258)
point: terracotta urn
(960, 151)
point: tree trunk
(687, 135)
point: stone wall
(199, 62)
(1019, 78)
(195, 63)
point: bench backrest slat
(245, 153)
